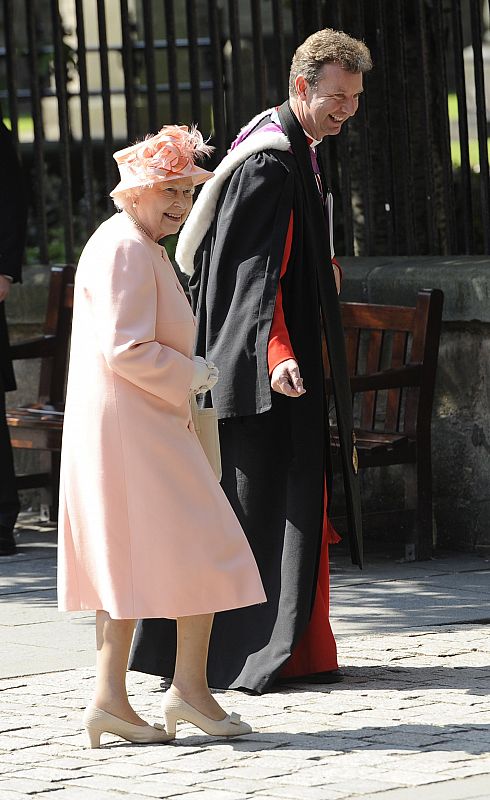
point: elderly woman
(144, 529)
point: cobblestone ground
(411, 721)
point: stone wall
(461, 423)
(461, 419)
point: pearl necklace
(139, 225)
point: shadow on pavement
(468, 739)
(407, 679)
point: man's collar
(311, 141)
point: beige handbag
(205, 422)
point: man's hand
(286, 379)
(337, 277)
(4, 288)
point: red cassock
(316, 651)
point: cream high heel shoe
(174, 709)
(97, 722)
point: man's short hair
(328, 47)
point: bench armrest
(42, 347)
(396, 378)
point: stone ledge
(394, 280)
(465, 281)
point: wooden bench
(39, 425)
(392, 357)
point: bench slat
(373, 361)
(393, 402)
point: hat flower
(169, 154)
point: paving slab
(410, 721)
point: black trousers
(9, 499)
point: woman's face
(164, 208)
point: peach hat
(167, 155)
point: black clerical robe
(275, 450)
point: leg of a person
(190, 681)
(113, 643)
(9, 499)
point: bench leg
(48, 511)
(418, 496)
(55, 486)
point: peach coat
(144, 527)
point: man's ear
(301, 86)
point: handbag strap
(195, 413)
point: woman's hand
(205, 375)
(286, 379)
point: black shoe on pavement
(7, 542)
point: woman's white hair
(124, 199)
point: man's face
(322, 110)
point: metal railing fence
(80, 78)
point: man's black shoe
(7, 542)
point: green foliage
(25, 125)
(473, 150)
(452, 107)
(170, 244)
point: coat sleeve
(124, 306)
(240, 264)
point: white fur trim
(202, 214)
(255, 121)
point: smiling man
(258, 246)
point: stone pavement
(411, 721)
